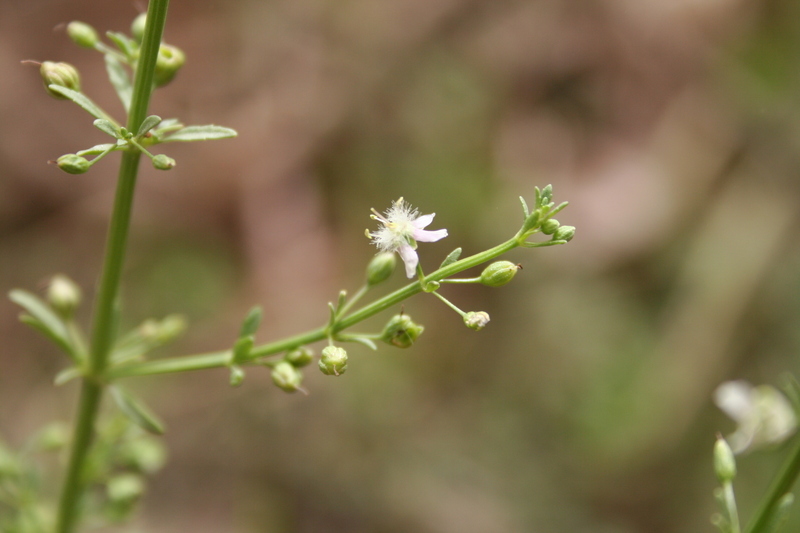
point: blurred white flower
(764, 416)
(402, 227)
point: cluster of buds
(286, 374)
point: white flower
(764, 415)
(402, 227)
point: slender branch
(222, 358)
(105, 307)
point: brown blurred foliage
(671, 127)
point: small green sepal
(550, 226)
(451, 258)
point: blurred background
(671, 127)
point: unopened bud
(299, 357)
(333, 361)
(564, 233)
(550, 226)
(64, 295)
(381, 267)
(169, 62)
(163, 162)
(137, 27)
(476, 320)
(82, 34)
(73, 164)
(401, 331)
(125, 488)
(237, 376)
(61, 74)
(724, 461)
(286, 377)
(499, 273)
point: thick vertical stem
(104, 311)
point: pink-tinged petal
(423, 221)
(410, 258)
(422, 235)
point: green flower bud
(61, 74)
(64, 295)
(164, 331)
(125, 488)
(564, 233)
(531, 222)
(286, 377)
(476, 320)
(53, 437)
(499, 273)
(82, 34)
(380, 268)
(333, 361)
(137, 27)
(550, 226)
(163, 162)
(401, 331)
(170, 60)
(145, 454)
(73, 164)
(724, 462)
(299, 357)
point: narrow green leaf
(126, 45)
(96, 150)
(119, 78)
(139, 413)
(201, 133)
(524, 207)
(43, 318)
(451, 258)
(68, 374)
(147, 124)
(81, 99)
(251, 322)
(107, 127)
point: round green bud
(82, 34)
(724, 461)
(73, 164)
(53, 437)
(564, 233)
(333, 361)
(550, 226)
(380, 268)
(299, 357)
(61, 74)
(137, 27)
(476, 320)
(499, 273)
(64, 295)
(144, 453)
(163, 162)
(169, 62)
(401, 331)
(286, 377)
(125, 487)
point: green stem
(781, 485)
(449, 304)
(222, 358)
(104, 311)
